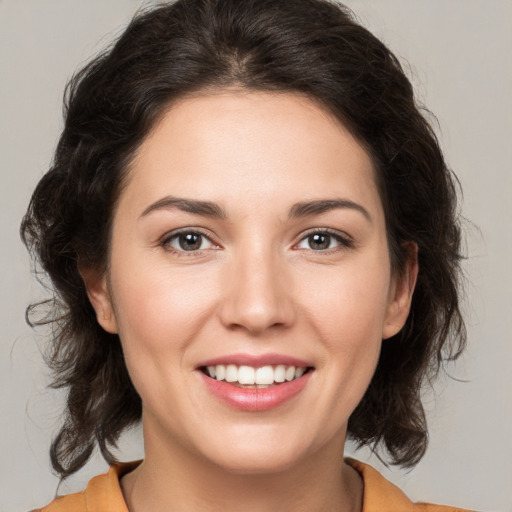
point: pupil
(320, 241)
(190, 241)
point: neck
(174, 479)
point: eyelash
(345, 242)
(165, 243)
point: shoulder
(103, 493)
(383, 496)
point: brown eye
(188, 241)
(324, 240)
(319, 241)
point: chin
(258, 454)
(258, 462)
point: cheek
(347, 300)
(160, 314)
(159, 310)
(347, 312)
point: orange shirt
(103, 494)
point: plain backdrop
(457, 54)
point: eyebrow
(205, 208)
(306, 208)
(211, 209)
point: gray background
(458, 55)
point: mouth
(249, 377)
(256, 383)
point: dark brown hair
(311, 47)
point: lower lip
(253, 399)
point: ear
(99, 295)
(401, 290)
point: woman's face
(250, 234)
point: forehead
(271, 146)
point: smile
(255, 378)
(255, 383)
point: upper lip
(256, 361)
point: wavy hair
(312, 47)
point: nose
(257, 293)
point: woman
(253, 240)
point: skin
(255, 286)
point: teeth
(299, 372)
(249, 376)
(264, 375)
(231, 373)
(290, 373)
(220, 372)
(246, 375)
(279, 373)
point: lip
(254, 399)
(256, 361)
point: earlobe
(401, 294)
(99, 295)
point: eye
(323, 241)
(188, 241)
